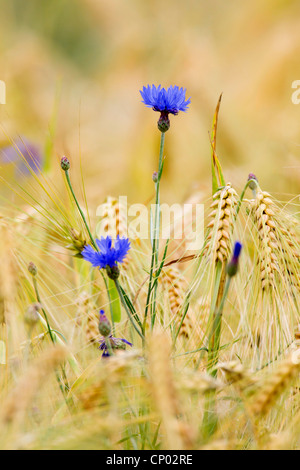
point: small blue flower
(115, 343)
(107, 256)
(159, 99)
(232, 266)
(237, 250)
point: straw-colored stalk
(178, 434)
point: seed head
(65, 163)
(155, 177)
(31, 317)
(252, 184)
(32, 268)
(104, 324)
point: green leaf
(217, 174)
(215, 183)
(115, 302)
(131, 307)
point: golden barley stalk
(221, 224)
(175, 286)
(87, 318)
(290, 250)
(262, 212)
(276, 384)
(113, 221)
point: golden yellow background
(96, 55)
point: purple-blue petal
(107, 254)
(125, 341)
(171, 100)
(237, 250)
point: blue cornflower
(159, 99)
(115, 343)
(109, 342)
(24, 154)
(169, 101)
(108, 256)
(232, 266)
(237, 250)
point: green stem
(243, 194)
(215, 336)
(127, 309)
(108, 345)
(110, 304)
(210, 418)
(155, 242)
(92, 241)
(80, 210)
(44, 313)
(72, 361)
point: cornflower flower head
(112, 343)
(108, 255)
(169, 101)
(232, 266)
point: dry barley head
(87, 318)
(186, 321)
(276, 384)
(219, 240)
(263, 212)
(175, 287)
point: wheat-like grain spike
(219, 240)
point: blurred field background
(89, 58)
(73, 70)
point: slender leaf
(115, 302)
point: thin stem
(155, 242)
(93, 243)
(210, 418)
(80, 210)
(110, 304)
(157, 199)
(243, 194)
(127, 310)
(215, 336)
(108, 345)
(44, 313)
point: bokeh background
(73, 70)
